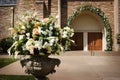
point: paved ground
(78, 67)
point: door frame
(96, 41)
(85, 41)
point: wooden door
(94, 41)
(78, 38)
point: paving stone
(77, 67)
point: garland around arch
(103, 17)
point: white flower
(9, 51)
(72, 35)
(21, 37)
(51, 28)
(52, 42)
(50, 33)
(28, 26)
(29, 43)
(61, 48)
(64, 34)
(44, 32)
(66, 28)
(38, 44)
(57, 26)
(40, 30)
(28, 34)
(15, 43)
(44, 45)
(72, 41)
(23, 27)
(16, 53)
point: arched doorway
(93, 21)
(88, 31)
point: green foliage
(6, 43)
(16, 77)
(6, 61)
(102, 16)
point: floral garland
(103, 17)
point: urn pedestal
(40, 66)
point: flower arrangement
(39, 37)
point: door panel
(78, 38)
(94, 41)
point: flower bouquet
(39, 37)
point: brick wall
(6, 18)
(106, 6)
(54, 7)
(30, 6)
(44, 8)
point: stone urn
(39, 66)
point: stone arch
(102, 16)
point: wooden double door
(94, 41)
(78, 38)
